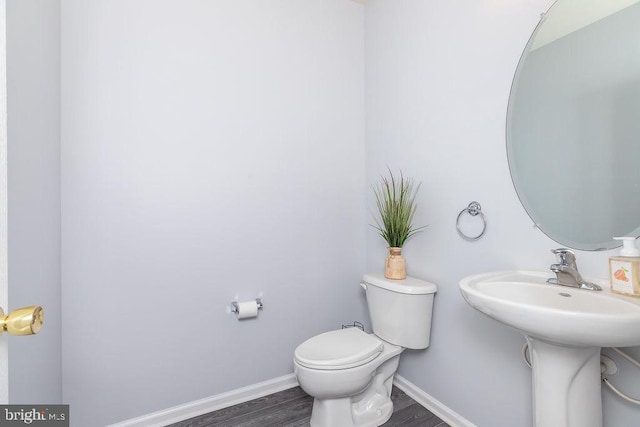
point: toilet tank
(400, 310)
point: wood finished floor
(292, 408)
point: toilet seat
(340, 349)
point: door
(27, 320)
(4, 290)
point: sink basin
(565, 329)
(560, 314)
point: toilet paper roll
(247, 309)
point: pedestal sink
(565, 329)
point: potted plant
(396, 201)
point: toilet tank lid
(410, 285)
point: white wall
(33, 97)
(210, 150)
(438, 76)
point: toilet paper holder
(235, 307)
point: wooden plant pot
(395, 265)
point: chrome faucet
(567, 271)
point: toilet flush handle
(363, 285)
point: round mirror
(573, 123)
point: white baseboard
(432, 404)
(210, 404)
(254, 391)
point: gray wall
(210, 150)
(33, 95)
(438, 76)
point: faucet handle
(565, 256)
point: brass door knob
(23, 321)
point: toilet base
(334, 412)
(370, 408)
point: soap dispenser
(625, 268)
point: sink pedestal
(566, 385)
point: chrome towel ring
(474, 209)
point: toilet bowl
(352, 385)
(349, 372)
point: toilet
(348, 372)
